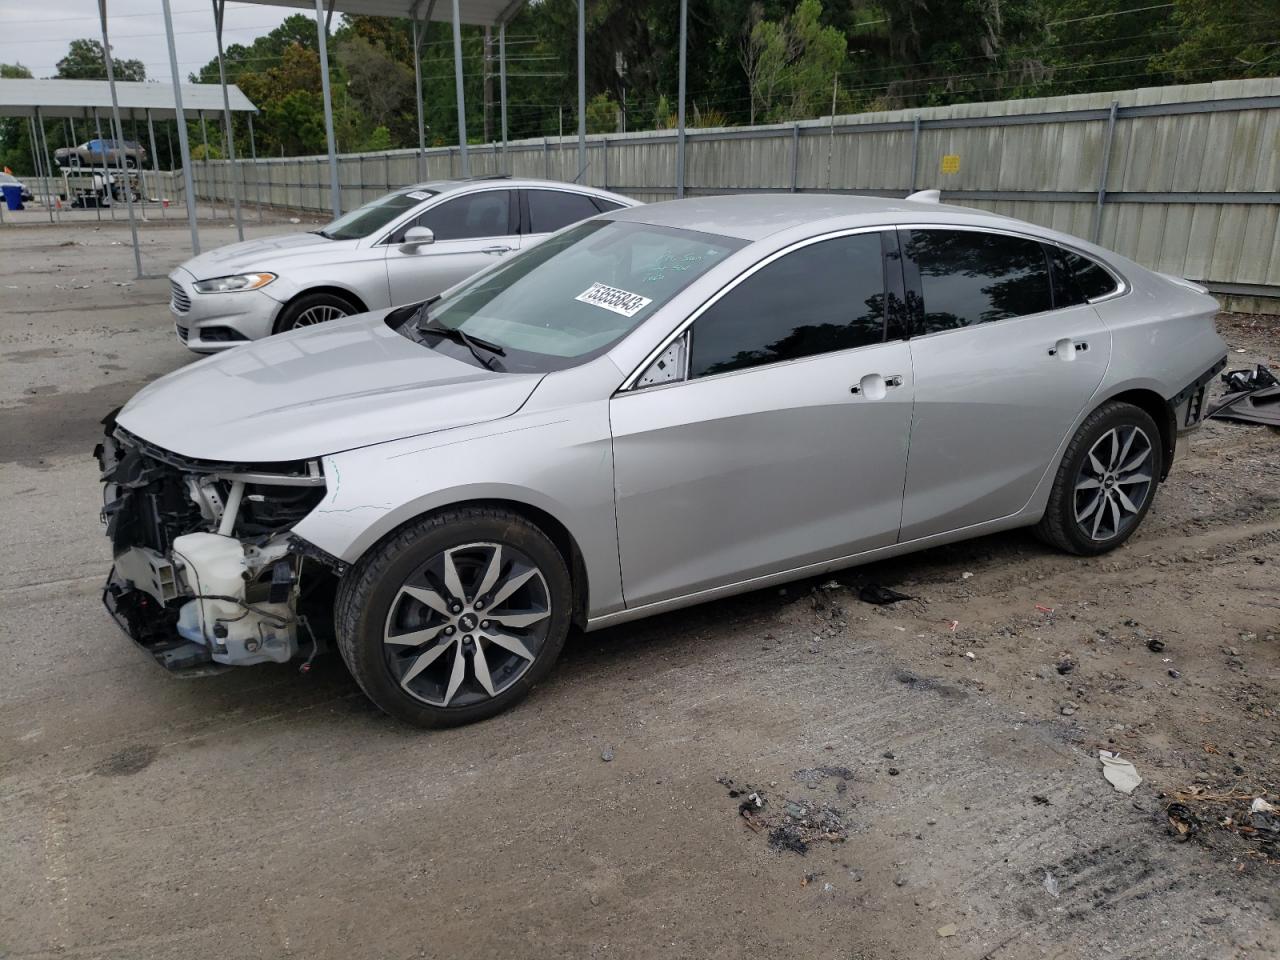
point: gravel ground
(928, 771)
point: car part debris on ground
(796, 824)
(1120, 773)
(881, 596)
(1253, 396)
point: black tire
(366, 595)
(1059, 526)
(296, 311)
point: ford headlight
(243, 281)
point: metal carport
(83, 99)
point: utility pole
(488, 84)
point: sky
(36, 33)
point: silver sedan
(660, 406)
(405, 246)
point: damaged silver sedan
(656, 407)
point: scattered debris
(294, 220)
(1155, 644)
(1051, 884)
(966, 575)
(881, 596)
(970, 655)
(606, 754)
(947, 930)
(1041, 800)
(1043, 609)
(1253, 396)
(1120, 773)
(1182, 821)
(1065, 666)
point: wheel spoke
(415, 638)
(1097, 517)
(1093, 505)
(518, 620)
(426, 660)
(1124, 500)
(1089, 483)
(1124, 451)
(1094, 462)
(481, 667)
(1136, 462)
(514, 644)
(491, 573)
(1136, 478)
(511, 586)
(1115, 516)
(455, 677)
(428, 597)
(451, 581)
(1115, 449)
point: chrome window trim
(629, 384)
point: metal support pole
(48, 166)
(604, 163)
(219, 7)
(204, 166)
(502, 91)
(119, 135)
(582, 85)
(915, 152)
(546, 158)
(184, 148)
(684, 42)
(335, 191)
(35, 159)
(106, 173)
(795, 155)
(257, 174)
(155, 163)
(143, 189)
(97, 207)
(417, 97)
(1106, 168)
(463, 163)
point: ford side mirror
(417, 237)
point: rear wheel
(1106, 481)
(312, 308)
(455, 618)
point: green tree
(1218, 41)
(85, 61)
(602, 114)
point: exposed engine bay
(206, 570)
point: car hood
(317, 390)
(265, 253)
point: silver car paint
(374, 273)
(583, 440)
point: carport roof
(75, 98)
(481, 13)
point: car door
(772, 433)
(470, 231)
(1004, 364)
(549, 210)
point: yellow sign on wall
(951, 163)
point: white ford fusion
(401, 248)
(656, 407)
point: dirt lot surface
(929, 771)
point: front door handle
(874, 386)
(498, 250)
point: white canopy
(77, 98)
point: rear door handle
(873, 385)
(1068, 348)
(496, 250)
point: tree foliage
(85, 61)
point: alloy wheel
(1114, 482)
(321, 313)
(467, 625)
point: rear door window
(824, 297)
(967, 277)
(549, 210)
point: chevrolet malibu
(406, 246)
(659, 406)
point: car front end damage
(206, 569)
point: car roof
(756, 216)
(449, 186)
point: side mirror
(417, 237)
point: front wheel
(456, 617)
(1106, 481)
(312, 308)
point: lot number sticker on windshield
(611, 298)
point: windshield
(576, 294)
(374, 216)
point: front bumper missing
(153, 627)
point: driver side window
(475, 216)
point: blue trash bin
(12, 195)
